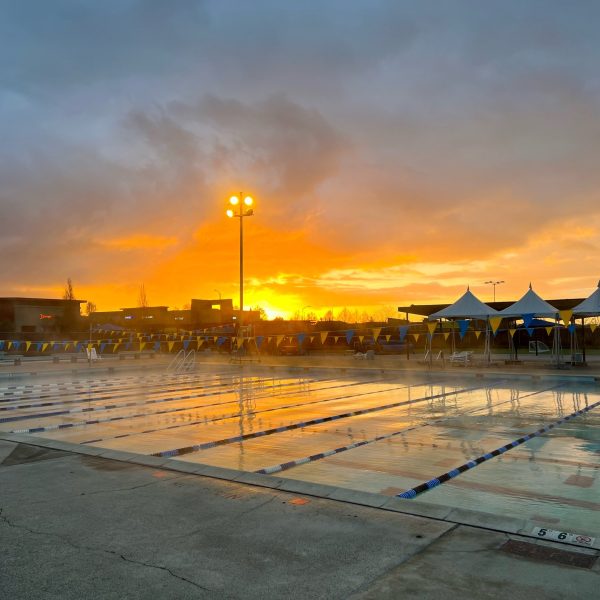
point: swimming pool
(377, 432)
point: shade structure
(529, 304)
(468, 306)
(590, 307)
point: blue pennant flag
(259, 340)
(349, 335)
(403, 329)
(39, 346)
(78, 347)
(302, 336)
(2, 345)
(156, 346)
(127, 345)
(571, 328)
(220, 340)
(529, 330)
(186, 343)
(527, 318)
(102, 346)
(463, 325)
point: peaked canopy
(467, 306)
(529, 304)
(590, 307)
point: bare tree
(90, 308)
(142, 298)
(69, 294)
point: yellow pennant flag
(477, 334)
(323, 335)
(512, 332)
(116, 347)
(388, 337)
(361, 338)
(142, 345)
(415, 336)
(431, 326)
(565, 315)
(9, 346)
(593, 327)
(27, 346)
(90, 346)
(446, 335)
(548, 330)
(376, 332)
(495, 323)
(67, 346)
(45, 346)
(279, 339)
(170, 345)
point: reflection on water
(403, 431)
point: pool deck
(87, 522)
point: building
(37, 315)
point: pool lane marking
(151, 401)
(428, 485)
(131, 391)
(320, 455)
(241, 414)
(248, 436)
(119, 406)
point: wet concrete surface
(77, 526)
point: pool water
(390, 432)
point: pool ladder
(184, 362)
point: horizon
(397, 153)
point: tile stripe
(314, 457)
(412, 493)
(248, 436)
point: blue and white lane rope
(123, 417)
(428, 485)
(354, 413)
(320, 455)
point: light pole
(218, 292)
(240, 209)
(494, 283)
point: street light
(241, 209)
(494, 283)
(218, 292)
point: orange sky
(396, 153)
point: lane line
(122, 417)
(320, 455)
(248, 436)
(428, 485)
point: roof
(428, 309)
(468, 305)
(530, 304)
(36, 301)
(590, 307)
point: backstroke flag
(495, 323)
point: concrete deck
(87, 522)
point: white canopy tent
(590, 307)
(532, 304)
(468, 306)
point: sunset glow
(391, 170)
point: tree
(261, 311)
(69, 294)
(142, 298)
(90, 308)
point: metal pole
(582, 339)
(241, 320)
(407, 350)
